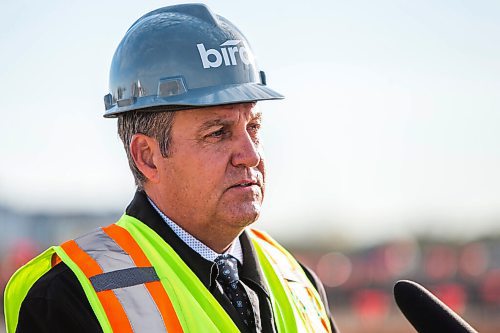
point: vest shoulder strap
(296, 303)
(125, 287)
(20, 283)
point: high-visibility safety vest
(135, 282)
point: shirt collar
(204, 251)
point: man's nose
(246, 152)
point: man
(184, 88)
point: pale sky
(391, 122)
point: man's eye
(217, 134)
(254, 127)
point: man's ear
(144, 151)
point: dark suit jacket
(57, 303)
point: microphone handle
(426, 312)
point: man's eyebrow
(257, 116)
(214, 122)
(224, 122)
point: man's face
(214, 176)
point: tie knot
(228, 269)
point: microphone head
(426, 312)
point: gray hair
(156, 123)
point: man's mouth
(245, 184)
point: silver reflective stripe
(140, 308)
(108, 255)
(125, 279)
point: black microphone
(426, 312)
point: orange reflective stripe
(262, 235)
(88, 265)
(165, 306)
(55, 260)
(114, 310)
(123, 238)
(128, 244)
(326, 325)
(266, 238)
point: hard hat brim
(196, 98)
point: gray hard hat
(182, 57)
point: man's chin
(246, 220)
(242, 216)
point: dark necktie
(233, 288)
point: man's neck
(211, 234)
(196, 244)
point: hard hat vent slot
(108, 101)
(171, 86)
(125, 101)
(137, 89)
(263, 78)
